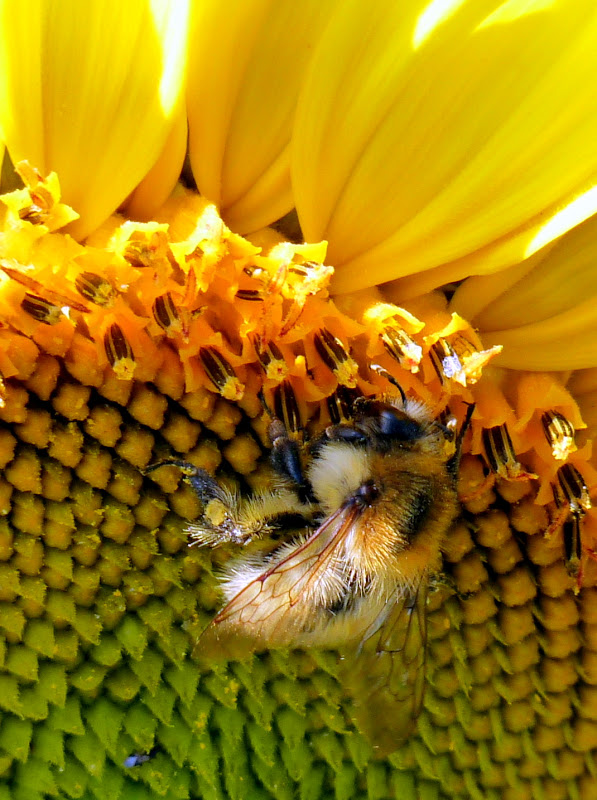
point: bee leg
(205, 486)
(222, 519)
(286, 460)
(345, 433)
(228, 517)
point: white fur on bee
(337, 473)
(416, 409)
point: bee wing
(282, 606)
(386, 674)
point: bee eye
(345, 433)
(398, 427)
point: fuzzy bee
(376, 496)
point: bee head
(384, 426)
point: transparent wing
(386, 674)
(284, 605)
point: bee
(376, 497)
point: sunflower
(410, 185)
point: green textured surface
(96, 665)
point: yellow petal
(455, 136)
(550, 283)
(475, 295)
(246, 64)
(89, 90)
(4, 164)
(544, 311)
(568, 341)
(154, 189)
(583, 385)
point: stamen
(286, 408)
(268, 285)
(165, 312)
(306, 279)
(501, 456)
(41, 310)
(573, 506)
(255, 272)
(139, 253)
(56, 298)
(574, 488)
(252, 295)
(95, 288)
(446, 362)
(270, 358)
(473, 360)
(401, 347)
(302, 270)
(335, 357)
(221, 373)
(340, 404)
(119, 352)
(41, 205)
(559, 433)
(573, 544)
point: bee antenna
(383, 372)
